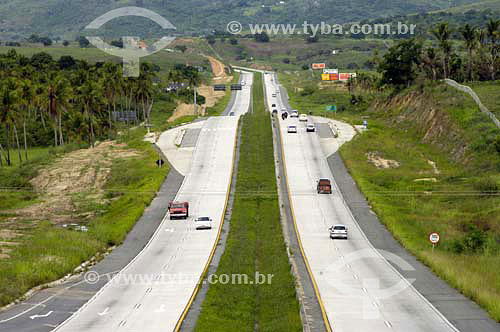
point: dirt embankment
(434, 125)
(211, 97)
(76, 179)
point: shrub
(486, 185)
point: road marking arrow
(105, 312)
(41, 316)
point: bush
(308, 90)
(486, 185)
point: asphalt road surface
(360, 289)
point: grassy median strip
(255, 243)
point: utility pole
(195, 105)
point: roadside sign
(219, 87)
(434, 238)
(344, 76)
(330, 71)
(325, 77)
(160, 162)
(331, 108)
(236, 87)
(334, 77)
(318, 66)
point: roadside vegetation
(255, 242)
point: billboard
(344, 76)
(330, 71)
(330, 77)
(318, 66)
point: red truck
(178, 210)
(324, 186)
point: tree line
(408, 59)
(47, 102)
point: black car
(273, 105)
(275, 112)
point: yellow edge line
(315, 286)
(212, 253)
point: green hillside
(65, 19)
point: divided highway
(156, 288)
(359, 289)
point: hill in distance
(66, 19)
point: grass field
(292, 52)
(461, 202)
(488, 93)
(255, 243)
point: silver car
(338, 232)
(203, 223)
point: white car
(274, 95)
(292, 129)
(294, 114)
(303, 117)
(338, 231)
(311, 128)
(203, 223)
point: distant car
(284, 115)
(294, 114)
(274, 95)
(292, 129)
(338, 232)
(311, 128)
(203, 223)
(243, 83)
(231, 114)
(273, 105)
(275, 112)
(303, 117)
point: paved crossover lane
(360, 290)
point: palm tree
(429, 59)
(26, 95)
(8, 101)
(442, 34)
(90, 97)
(63, 94)
(469, 35)
(492, 30)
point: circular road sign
(434, 238)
